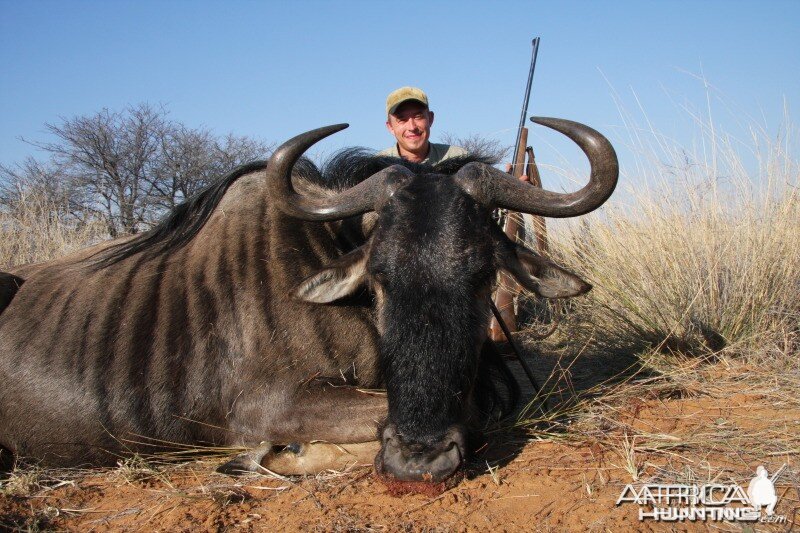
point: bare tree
(28, 175)
(45, 182)
(194, 158)
(106, 156)
(475, 144)
(126, 168)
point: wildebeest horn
(493, 187)
(353, 201)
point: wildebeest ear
(337, 280)
(9, 285)
(540, 275)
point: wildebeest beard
(434, 267)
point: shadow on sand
(562, 379)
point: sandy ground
(545, 487)
(515, 483)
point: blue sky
(273, 69)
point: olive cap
(404, 94)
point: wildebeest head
(431, 261)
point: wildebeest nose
(415, 462)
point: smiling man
(409, 119)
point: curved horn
(497, 188)
(353, 201)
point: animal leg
(314, 457)
(322, 428)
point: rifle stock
(538, 223)
(504, 297)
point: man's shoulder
(450, 150)
(391, 151)
(440, 152)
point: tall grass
(702, 252)
(36, 228)
(696, 271)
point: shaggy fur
(188, 334)
(343, 170)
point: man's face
(411, 126)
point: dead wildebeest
(258, 312)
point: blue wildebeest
(259, 311)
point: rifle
(504, 298)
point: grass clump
(36, 228)
(694, 269)
(698, 251)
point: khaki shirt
(436, 154)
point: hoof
(246, 462)
(237, 466)
(295, 448)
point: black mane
(350, 166)
(344, 169)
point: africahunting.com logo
(711, 501)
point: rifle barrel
(524, 115)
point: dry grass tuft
(137, 470)
(22, 482)
(37, 229)
(707, 258)
(26, 480)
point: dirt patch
(542, 486)
(547, 485)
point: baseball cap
(404, 94)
